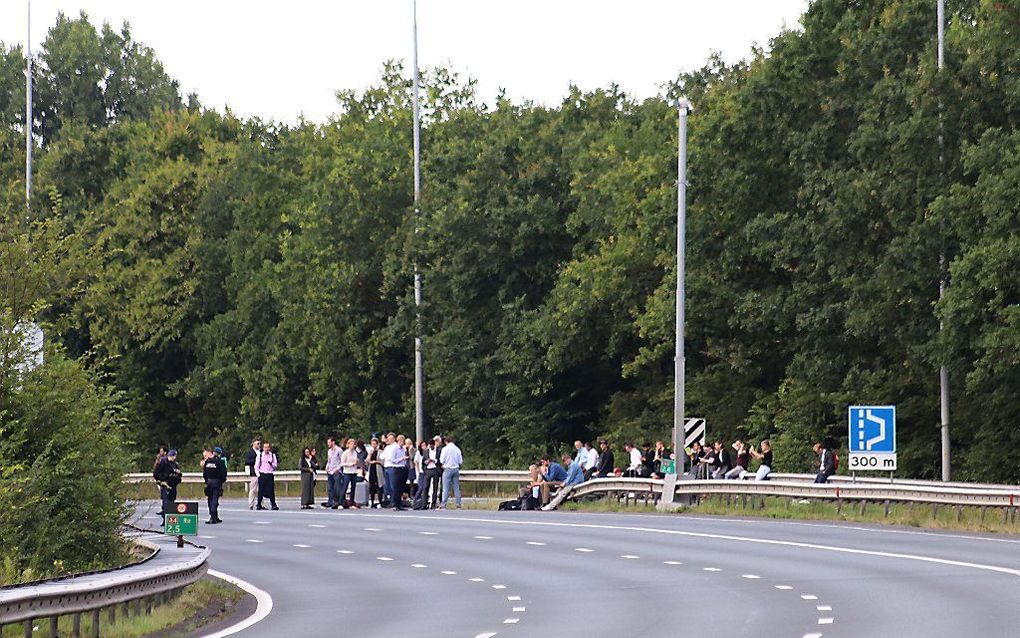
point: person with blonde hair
(765, 456)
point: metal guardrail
(513, 476)
(151, 581)
(1003, 496)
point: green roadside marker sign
(183, 520)
(668, 466)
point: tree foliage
(249, 276)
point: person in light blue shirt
(575, 471)
(552, 472)
(581, 457)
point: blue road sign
(872, 429)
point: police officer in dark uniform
(214, 471)
(168, 474)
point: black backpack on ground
(510, 505)
(529, 502)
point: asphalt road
(481, 574)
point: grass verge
(206, 601)
(967, 519)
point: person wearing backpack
(826, 463)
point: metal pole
(28, 108)
(943, 371)
(419, 358)
(681, 240)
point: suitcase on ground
(361, 492)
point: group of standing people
(377, 473)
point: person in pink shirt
(267, 483)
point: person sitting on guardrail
(168, 475)
(606, 460)
(826, 463)
(720, 463)
(591, 464)
(743, 461)
(634, 461)
(534, 486)
(765, 456)
(552, 472)
(575, 473)
(706, 461)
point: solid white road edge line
(264, 605)
(725, 537)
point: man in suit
(605, 467)
(251, 461)
(826, 463)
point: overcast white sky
(279, 58)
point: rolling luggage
(361, 492)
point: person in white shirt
(349, 464)
(394, 458)
(634, 469)
(592, 463)
(451, 459)
(334, 495)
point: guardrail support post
(28, 628)
(887, 509)
(148, 605)
(54, 628)
(76, 626)
(839, 506)
(95, 623)
(138, 606)
(934, 510)
(863, 505)
(111, 614)
(959, 513)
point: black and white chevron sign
(694, 432)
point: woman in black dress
(375, 471)
(309, 466)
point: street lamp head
(685, 104)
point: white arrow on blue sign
(872, 429)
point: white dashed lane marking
(207, 537)
(511, 621)
(824, 607)
(477, 580)
(316, 525)
(513, 598)
(812, 635)
(519, 609)
(488, 635)
(629, 556)
(449, 573)
(419, 566)
(712, 569)
(299, 545)
(344, 551)
(671, 562)
(825, 621)
(784, 587)
(383, 558)
(751, 576)
(535, 543)
(372, 529)
(428, 533)
(252, 540)
(499, 586)
(261, 523)
(484, 538)
(583, 549)
(809, 597)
